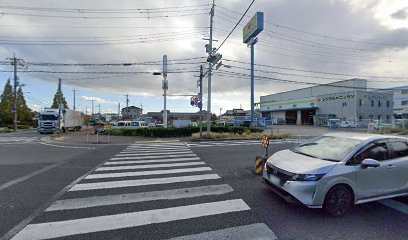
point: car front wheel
(338, 201)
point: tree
(23, 112)
(6, 104)
(55, 101)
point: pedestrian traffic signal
(192, 101)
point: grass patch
(6, 130)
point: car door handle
(391, 166)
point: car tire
(338, 201)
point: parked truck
(50, 121)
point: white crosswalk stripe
(239, 143)
(18, 140)
(142, 176)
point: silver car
(337, 171)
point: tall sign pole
(250, 33)
(165, 88)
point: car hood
(300, 164)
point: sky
(306, 41)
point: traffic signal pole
(201, 105)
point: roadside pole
(165, 88)
(201, 105)
(59, 103)
(210, 65)
(15, 91)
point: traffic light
(192, 101)
(214, 58)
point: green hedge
(18, 126)
(175, 132)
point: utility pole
(74, 97)
(15, 61)
(93, 100)
(127, 100)
(15, 91)
(201, 105)
(118, 111)
(210, 65)
(165, 88)
(59, 102)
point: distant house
(234, 114)
(131, 113)
(157, 117)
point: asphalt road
(32, 172)
(168, 190)
(367, 221)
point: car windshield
(48, 117)
(327, 148)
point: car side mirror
(370, 163)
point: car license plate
(274, 180)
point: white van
(137, 124)
(123, 124)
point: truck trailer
(51, 120)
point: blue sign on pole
(250, 31)
(253, 27)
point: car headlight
(307, 177)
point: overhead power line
(147, 63)
(263, 78)
(316, 34)
(318, 72)
(243, 15)
(86, 17)
(98, 10)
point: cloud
(97, 100)
(359, 21)
(400, 14)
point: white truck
(50, 122)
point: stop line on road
(151, 172)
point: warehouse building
(348, 100)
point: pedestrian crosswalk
(240, 142)
(17, 140)
(165, 185)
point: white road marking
(157, 146)
(147, 173)
(153, 151)
(154, 157)
(64, 146)
(78, 203)
(258, 231)
(126, 220)
(153, 161)
(165, 165)
(141, 182)
(153, 154)
(399, 206)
